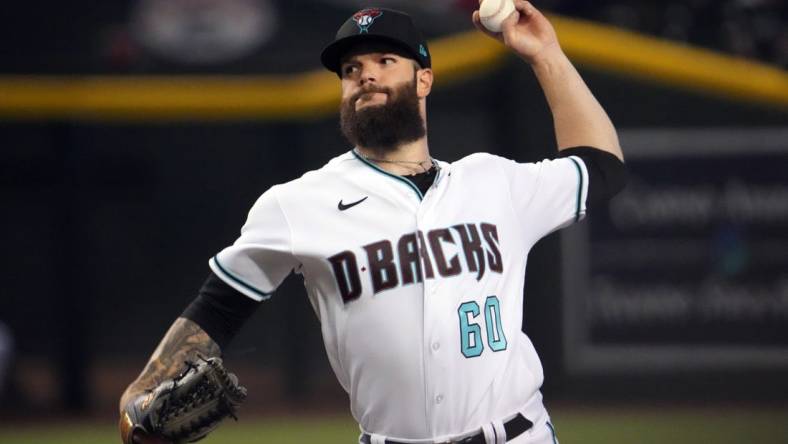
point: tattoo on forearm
(184, 341)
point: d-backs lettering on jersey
(419, 295)
(411, 261)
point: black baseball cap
(381, 24)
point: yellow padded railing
(315, 94)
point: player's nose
(368, 74)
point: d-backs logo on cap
(365, 18)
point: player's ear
(424, 79)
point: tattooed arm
(205, 328)
(183, 342)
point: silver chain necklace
(420, 164)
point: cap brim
(331, 56)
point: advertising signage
(688, 267)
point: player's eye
(388, 60)
(349, 69)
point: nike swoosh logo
(343, 207)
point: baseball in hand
(493, 12)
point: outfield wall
(110, 219)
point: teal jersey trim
(579, 189)
(393, 176)
(237, 280)
(552, 431)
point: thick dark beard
(384, 127)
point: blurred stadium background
(135, 135)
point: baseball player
(414, 266)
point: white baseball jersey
(420, 297)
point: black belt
(513, 427)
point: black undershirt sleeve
(220, 310)
(607, 174)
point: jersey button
(438, 399)
(436, 346)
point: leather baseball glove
(185, 408)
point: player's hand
(526, 31)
